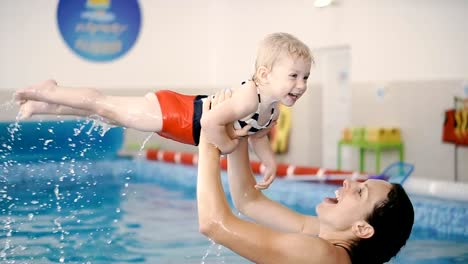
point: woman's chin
(326, 203)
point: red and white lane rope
(288, 171)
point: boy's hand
(269, 175)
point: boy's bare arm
(264, 152)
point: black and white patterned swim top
(252, 119)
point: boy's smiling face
(288, 79)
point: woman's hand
(214, 101)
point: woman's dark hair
(392, 220)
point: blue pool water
(135, 211)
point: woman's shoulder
(312, 249)
(330, 253)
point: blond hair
(280, 44)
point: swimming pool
(138, 211)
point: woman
(368, 222)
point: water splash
(219, 253)
(64, 173)
(8, 104)
(57, 196)
(142, 147)
(208, 251)
(100, 125)
(5, 153)
(13, 129)
(77, 131)
(57, 222)
(7, 226)
(124, 192)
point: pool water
(130, 211)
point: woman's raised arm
(255, 242)
(254, 204)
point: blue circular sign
(99, 30)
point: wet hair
(392, 220)
(276, 45)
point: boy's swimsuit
(181, 116)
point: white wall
(210, 42)
(390, 40)
(173, 49)
(407, 40)
(207, 44)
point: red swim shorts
(180, 122)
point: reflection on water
(100, 221)
(147, 217)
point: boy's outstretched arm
(242, 103)
(261, 146)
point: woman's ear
(262, 74)
(362, 229)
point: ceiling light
(322, 3)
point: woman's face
(352, 202)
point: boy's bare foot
(34, 92)
(30, 108)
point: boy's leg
(141, 113)
(30, 108)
